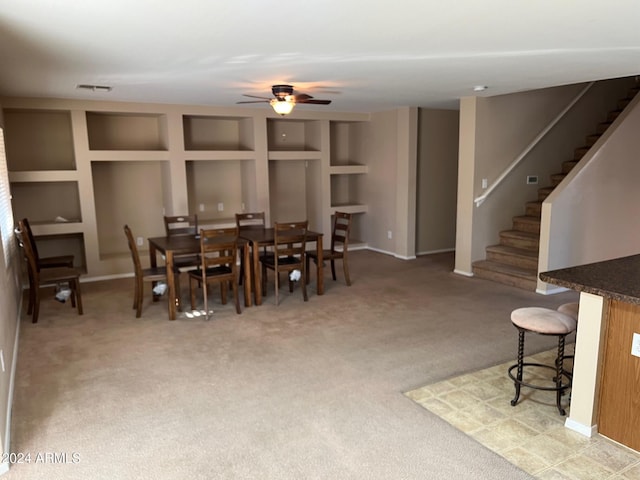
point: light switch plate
(635, 345)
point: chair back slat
(250, 219)
(24, 241)
(219, 250)
(133, 248)
(341, 230)
(290, 239)
(181, 225)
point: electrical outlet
(220, 207)
(242, 207)
(389, 234)
(140, 241)
(201, 207)
(485, 183)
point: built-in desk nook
(605, 396)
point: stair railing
(479, 200)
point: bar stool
(543, 321)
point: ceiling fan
(284, 99)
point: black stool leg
(518, 381)
(560, 374)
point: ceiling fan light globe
(282, 107)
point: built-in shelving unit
(81, 170)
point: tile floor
(530, 435)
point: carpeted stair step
(623, 103)
(523, 278)
(568, 165)
(592, 139)
(580, 152)
(533, 209)
(516, 257)
(515, 238)
(525, 223)
(602, 127)
(556, 178)
(544, 192)
(611, 116)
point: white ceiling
(363, 55)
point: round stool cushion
(570, 309)
(543, 320)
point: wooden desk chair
(289, 254)
(250, 220)
(218, 256)
(157, 274)
(182, 225)
(46, 276)
(339, 246)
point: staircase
(514, 261)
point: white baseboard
(552, 291)
(431, 252)
(586, 430)
(401, 257)
(462, 272)
(4, 466)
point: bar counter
(606, 374)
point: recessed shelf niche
(127, 131)
(203, 132)
(46, 202)
(37, 140)
(298, 135)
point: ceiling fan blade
(302, 97)
(255, 101)
(255, 96)
(315, 102)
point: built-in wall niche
(347, 190)
(38, 140)
(129, 193)
(295, 192)
(127, 131)
(347, 143)
(46, 202)
(218, 133)
(298, 135)
(218, 189)
(63, 244)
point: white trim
(551, 291)
(4, 466)
(462, 272)
(587, 431)
(391, 253)
(431, 252)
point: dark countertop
(618, 279)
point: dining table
(258, 237)
(170, 246)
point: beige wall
(506, 125)
(593, 214)
(437, 177)
(10, 295)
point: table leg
(319, 269)
(248, 274)
(257, 273)
(171, 282)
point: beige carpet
(300, 391)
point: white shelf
(214, 155)
(348, 169)
(349, 208)
(44, 176)
(129, 155)
(294, 155)
(56, 228)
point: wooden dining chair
(339, 246)
(39, 277)
(218, 257)
(249, 220)
(46, 262)
(289, 254)
(142, 275)
(182, 225)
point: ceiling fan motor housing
(282, 91)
